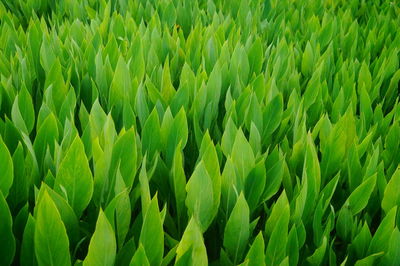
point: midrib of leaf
(50, 254)
(239, 238)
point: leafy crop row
(199, 132)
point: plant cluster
(222, 132)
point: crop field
(199, 132)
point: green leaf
(140, 257)
(121, 84)
(256, 56)
(228, 138)
(317, 257)
(307, 62)
(6, 169)
(254, 185)
(74, 179)
(256, 255)
(280, 208)
(275, 167)
(292, 246)
(151, 134)
(102, 246)
(167, 89)
(379, 241)
(209, 157)
(23, 113)
(242, 155)
(46, 136)
(392, 256)
(47, 56)
(361, 242)
(255, 139)
(391, 196)
(213, 95)
(276, 248)
(145, 196)
(236, 233)
(137, 64)
(200, 198)
(364, 77)
(178, 184)
(66, 212)
(229, 187)
(192, 244)
(344, 223)
(119, 213)
(152, 234)
(177, 133)
(55, 86)
(359, 198)
(123, 158)
(51, 240)
(272, 115)
(27, 255)
(7, 238)
(370, 260)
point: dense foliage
(199, 132)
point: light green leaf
(317, 257)
(119, 213)
(228, 138)
(280, 208)
(177, 133)
(6, 169)
(192, 245)
(200, 198)
(364, 77)
(392, 256)
(370, 260)
(45, 137)
(229, 187)
(361, 242)
(307, 62)
(254, 185)
(74, 179)
(391, 196)
(242, 155)
(140, 257)
(379, 241)
(7, 239)
(23, 113)
(51, 240)
(256, 255)
(178, 184)
(272, 115)
(151, 134)
(276, 249)
(27, 256)
(152, 234)
(67, 214)
(275, 167)
(236, 233)
(359, 198)
(121, 84)
(256, 56)
(124, 156)
(102, 246)
(167, 89)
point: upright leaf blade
(51, 240)
(74, 179)
(102, 246)
(237, 231)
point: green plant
(199, 132)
